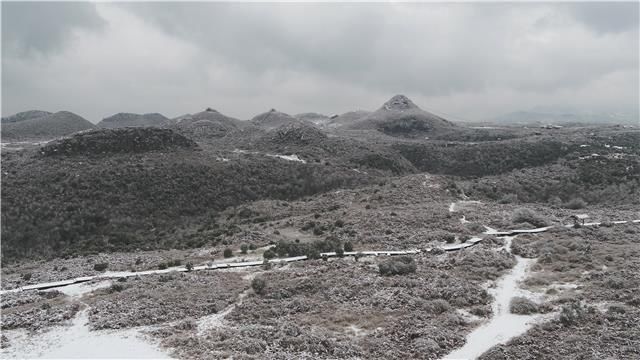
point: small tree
(339, 252)
(524, 215)
(258, 285)
(244, 248)
(252, 246)
(348, 246)
(189, 266)
(269, 254)
(227, 253)
(162, 266)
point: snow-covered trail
(503, 325)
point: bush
(100, 266)
(339, 252)
(524, 215)
(575, 204)
(571, 314)
(244, 248)
(318, 230)
(175, 262)
(115, 288)
(439, 306)
(475, 227)
(606, 223)
(522, 306)
(508, 199)
(615, 282)
(397, 266)
(269, 254)
(162, 266)
(348, 246)
(339, 223)
(252, 246)
(227, 253)
(308, 225)
(449, 238)
(26, 277)
(189, 266)
(258, 285)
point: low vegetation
(401, 265)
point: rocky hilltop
(400, 116)
(273, 119)
(123, 140)
(208, 123)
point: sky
(464, 61)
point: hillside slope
(47, 127)
(133, 120)
(95, 201)
(119, 140)
(25, 115)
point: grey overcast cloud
(469, 61)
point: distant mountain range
(545, 117)
(399, 116)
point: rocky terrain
(186, 228)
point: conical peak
(399, 102)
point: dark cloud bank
(470, 60)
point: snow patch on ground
(292, 157)
(356, 331)
(77, 342)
